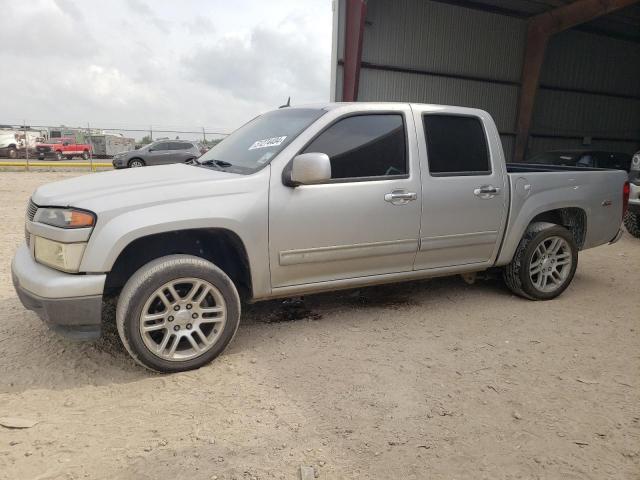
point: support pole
(354, 30)
(26, 144)
(540, 29)
(91, 147)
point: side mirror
(310, 168)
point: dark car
(160, 152)
(584, 158)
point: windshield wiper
(217, 163)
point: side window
(161, 146)
(364, 146)
(178, 145)
(456, 145)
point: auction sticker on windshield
(267, 142)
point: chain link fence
(29, 145)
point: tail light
(626, 190)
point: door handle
(486, 191)
(400, 197)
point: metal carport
(554, 74)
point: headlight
(61, 256)
(65, 217)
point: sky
(183, 64)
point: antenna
(288, 104)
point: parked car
(61, 148)
(159, 153)
(299, 201)
(584, 158)
(632, 218)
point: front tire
(136, 163)
(59, 157)
(12, 153)
(85, 155)
(544, 263)
(177, 313)
(632, 223)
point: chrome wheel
(136, 164)
(183, 319)
(551, 264)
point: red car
(60, 148)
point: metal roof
(624, 24)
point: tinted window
(364, 146)
(161, 146)
(179, 145)
(456, 145)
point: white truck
(298, 201)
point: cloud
(268, 66)
(110, 64)
(52, 31)
(142, 9)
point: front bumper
(69, 304)
(119, 163)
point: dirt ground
(425, 380)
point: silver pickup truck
(299, 201)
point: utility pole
(90, 147)
(204, 136)
(151, 132)
(26, 143)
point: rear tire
(148, 311)
(632, 223)
(544, 263)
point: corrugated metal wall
(604, 112)
(450, 43)
(432, 52)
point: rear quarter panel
(598, 193)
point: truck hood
(139, 187)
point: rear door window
(179, 145)
(456, 145)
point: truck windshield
(254, 144)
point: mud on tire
(517, 274)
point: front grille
(32, 208)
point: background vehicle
(298, 201)
(62, 148)
(14, 141)
(632, 218)
(108, 145)
(160, 152)
(584, 158)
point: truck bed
(535, 189)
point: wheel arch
(221, 246)
(573, 218)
